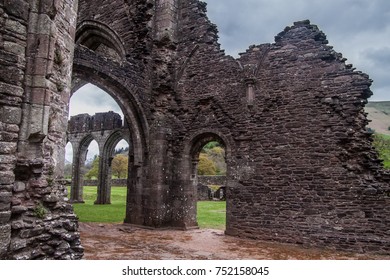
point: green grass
(211, 214)
(109, 213)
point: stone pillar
(76, 191)
(134, 210)
(157, 189)
(104, 180)
(166, 19)
(185, 194)
(44, 47)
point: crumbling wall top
(97, 122)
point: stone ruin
(107, 129)
(300, 164)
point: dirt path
(121, 242)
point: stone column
(104, 180)
(44, 61)
(157, 189)
(166, 19)
(79, 155)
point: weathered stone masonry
(301, 167)
(107, 130)
(36, 48)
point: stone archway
(105, 171)
(124, 82)
(107, 130)
(80, 149)
(185, 195)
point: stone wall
(13, 40)
(36, 53)
(98, 122)
(212, 180)
(300, 165)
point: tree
(206, 166)
(119, 166)
(217, 155)
(94, 171)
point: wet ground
(122, 242)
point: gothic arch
(129, 92)
(93, 34)
(130, 106)
(80, 149)
(105, 172)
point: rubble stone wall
(300, 164)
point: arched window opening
(100, 39)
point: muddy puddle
(123, 242)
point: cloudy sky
(359, 29)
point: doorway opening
(209, 179)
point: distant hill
(379, 114)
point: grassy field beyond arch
(211, 214)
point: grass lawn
(211, 214)
(109, 213)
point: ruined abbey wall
(36, 60)
(301, 168)
(107, 129)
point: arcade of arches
(105, 128)
(300, 164)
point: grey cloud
(91, 99)
(379, 57)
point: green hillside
(379, 114)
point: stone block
(17, 8)
(19, 209)
(5, 206)
(10, 115)
(5, 239)
(5, 216)
(7, 148)
(7, 177)
(5, 197)
(15, 26)
(7, 162)
(19, 187)
(27, 233)
(12, 75)
(15, 48)
(17, 244)
(11, 90)
(8, 137)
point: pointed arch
(92, 34)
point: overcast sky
(359, 29)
